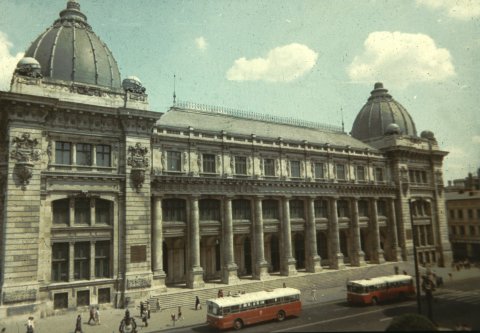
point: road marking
(385, 319)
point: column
(288, 266)
(261, 269)
(92, 211)
(377, 252)
(71, 261)
(92, 260)
(336, 257)
(159, 275)
(195, 277)
(71, 217)
(313, 260)
(396, 251)
(358, 254)
(229, 268)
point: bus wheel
(281, 315)
(374, 301)
(238, 324)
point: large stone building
(103, 199)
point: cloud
(281, 64)
(401, 59)
(457, 9)
(476, 139)
(201, 43)
(8, 61)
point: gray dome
(378, 113)
(70, 51)
(393, 129)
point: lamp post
(417, 276)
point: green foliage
(411, 322)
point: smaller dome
(133, 84)
(393, 129)
(29, 66)
(427, 135)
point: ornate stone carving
(139, 161)
(19, 296)
(25, 152)
(139, 283)
(84, 90)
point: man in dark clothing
(92, 315)
(78, 324)
(197, 302)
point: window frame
(209, 163)
(103, 158)
(174, 161)
(295, 171)
(63, 154)
(240, 164)
(269, 165)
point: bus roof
(255, 296)
(380, 280)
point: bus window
(235, 308)
(213, 309)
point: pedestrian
(179, 315)
(396, 270)
(313, 294)
(450, 276)
(127, 324)
(142, 307)
(197, 302)
(220, 293)
(172, 316)
(92, 315)
(284, 285)
(147, 307)
(97, 316)
(78, 324)
(145, 317)
(30, 325)
(405, 272)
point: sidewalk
(161, 321)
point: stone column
(159, 275)
(92, 260)
(71, 261)
(288, 267)
(229, 268)
(396, 251)
(358, 255)
(261, 269)
(71, 211)
(92, 211)
(195, 277)
(313, 259)
(377, 252)
(336, 257)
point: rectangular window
(82, 211)
(363, 208)
(295, 169)
(241, 210)
(82, 261)
(270, 209)
(424, 177)
(340, 171)
(209, 210)
(60, 301)
(342, 208)
(102, 259)
(321, 208)
(104, 295)
(63, 153)
(379, 174)
(103, 155)
(61, 211)
(296, 209)
(84, 154)
(209, 163)
(83, 297)
(452, 213)
(174, 210)
(320, 170)
(269, 167)
(472, 230)
(381, 208)
(470, 214)
(60, 262)
(360, 172)
(411, 176)
(460, 214)
(240, 165)
(103, 211)
(174, 161)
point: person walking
(147, 307)
(127, 324)
(197, 302)
(313, 294)
(92, 315)
(30, 325)
(78, 324)
(145, 317)
(179, 315)
(97, 316)
(142, 307)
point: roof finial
(174, 95)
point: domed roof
(70, 51)
(378, 113)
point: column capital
(334, 197)
(194, 196)
(228, 196)
(259, 197)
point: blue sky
(302, 59)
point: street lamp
(417, 276)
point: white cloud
(8, 61)
(201, 43)
(401, 59)
(476, 139)
(282, 64)
(458, 9)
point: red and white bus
(379, 289)
(244, 309)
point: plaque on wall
(138, 253)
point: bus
(244, 309)
(379, 289)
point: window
(102, 259)
(295, 169)
(360, 172)
(423, 177)
(340, 171)
(270, 209)
(103, 156)
(342, 208)
(462, 230)
(63, 153)
(60, 301)
(478, 214)
(363, 208)
(60, 262)
(460, 214)
(296, 209)
(472, 230)
(452, 213)
(381, 208)
(321, 208)
(319, 170)
(269, 167)
(84, 154)
(104, 295)
(61, 211)
(240, 165)
(470, 214)
(209, 210)
(174, 210)
(82, 211)
(209, 163)
(241, 209)
(379, 174)
(174, 161)
(103, 211)
(83, 297)
(82, 261)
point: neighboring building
(463, 209)
(102, 199)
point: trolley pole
(417, 275)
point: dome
(69, 50)
(393, 129)
(378, 113)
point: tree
(411, 322)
